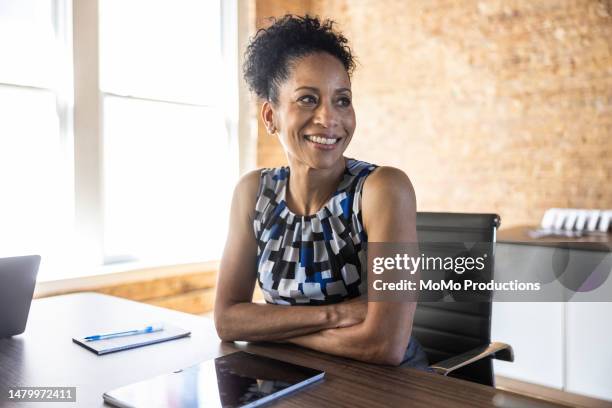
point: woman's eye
(308, 99)
(344, 102)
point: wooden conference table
(46, 356)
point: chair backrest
(446, 329)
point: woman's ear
(267, 114)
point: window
(155, 183)
(168, 166)
(35, 142)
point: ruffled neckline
(324, 211)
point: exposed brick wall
(269, 151)
(501, 106)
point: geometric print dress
(315, 259)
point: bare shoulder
(388, 206)
(245, 193)
(388, 183)
(248, 184)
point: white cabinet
(589, 349)
(535, 332)
(561, 345)
(589, 333)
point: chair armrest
(500, 351)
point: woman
(301, 231)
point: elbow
(391, 349)
(391, 355)
(221, 326)
(381, 352)
(382, 347)
(223, 335)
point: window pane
(28, 43)
(161, 50)
(168, 177)
(36, 205)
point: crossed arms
(375, 332)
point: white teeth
(322, 140)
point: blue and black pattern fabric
(314, 259)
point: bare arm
(389, 215)
(236, 316)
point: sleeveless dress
(316, 259)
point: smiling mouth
(322, 140)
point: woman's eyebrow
(312, 88)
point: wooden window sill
(188, 287)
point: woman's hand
(389, 215)
(350, 312)
(236, 317)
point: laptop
(239, 379)
(17, 281)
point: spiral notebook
(112, 345)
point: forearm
(265, 322)
(378, 339)
(351, 342)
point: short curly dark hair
(273, 49)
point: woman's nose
(326, 115)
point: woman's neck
(309, 189)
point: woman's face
(314, 115)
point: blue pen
(148, 329)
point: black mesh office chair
(456, 335)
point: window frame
(61, 88)
(89, 113)
(80, 110)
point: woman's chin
(318, 159)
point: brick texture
(492, 106)
(269, 151)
